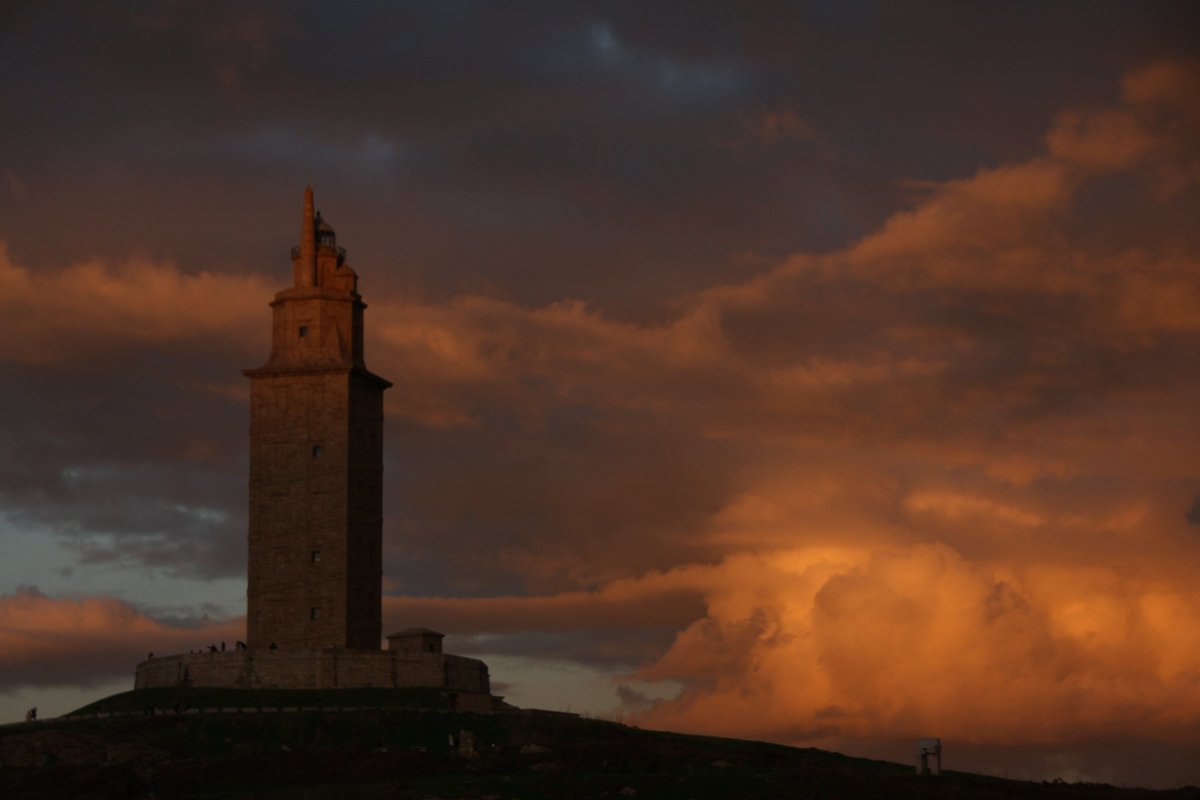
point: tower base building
(400, 666)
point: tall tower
(316, 462)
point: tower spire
(306, 274)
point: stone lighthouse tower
(316, 462)
(316, 512)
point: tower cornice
(283, 371)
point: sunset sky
(824, 373)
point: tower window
(316, 451)
(303, 331)
(314, 613)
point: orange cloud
(476, 347)
(48, 641)
(46, 316)
(825, 644)
(1100, 141)
(996, 207)
(1174, 84)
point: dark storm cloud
(556, 144)
(127, 458)
(621, 626)
(585, 486)
(625, 650)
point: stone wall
(320, 669)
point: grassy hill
(195, 700)
(404, 750)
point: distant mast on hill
(316, 462)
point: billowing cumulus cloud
(832, 643)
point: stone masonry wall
(326, 669)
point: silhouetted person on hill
(222, 647)
(31, 714)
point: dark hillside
(407, 753)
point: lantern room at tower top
(318, 321)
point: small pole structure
(925, 749)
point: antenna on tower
(308, 243)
